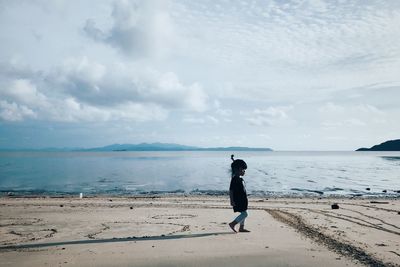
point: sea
(125, 173)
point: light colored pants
(241, 218)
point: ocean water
(133, 173)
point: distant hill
(392, 145)
(143, 147)
(169, 147)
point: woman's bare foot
(232, 226)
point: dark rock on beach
(335, 206)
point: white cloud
(15, 112)
(140, 28)
(270, 116)
(224, 112)
(201, 120)
(86, 90)
(213, 119)
(194, 120)
(70, 110)
(84, 70)
(62, 98)
(335, 116)
(171, 90)
(23, 91)
(94, 83)
(332, 109)
(273, 112)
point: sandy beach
(193, 231)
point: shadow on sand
(112, 240)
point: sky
(288, 75)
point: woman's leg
(241, 228)
(241, 218)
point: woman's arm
(231, 197)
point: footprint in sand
(173, 216)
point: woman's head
(238, 166)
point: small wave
(36, 192)
(134, 187)
(162, 192)
(307, 190)
(103, 180)
(391, 158)
(209, 192)
(332, 189)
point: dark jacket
(238, 194)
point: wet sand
(193, 231)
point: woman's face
(242, 171)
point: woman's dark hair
(237, 164)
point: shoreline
(388, 194)
(172, 230)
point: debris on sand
(335, 206)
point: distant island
(169, 147)
(392, 145)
